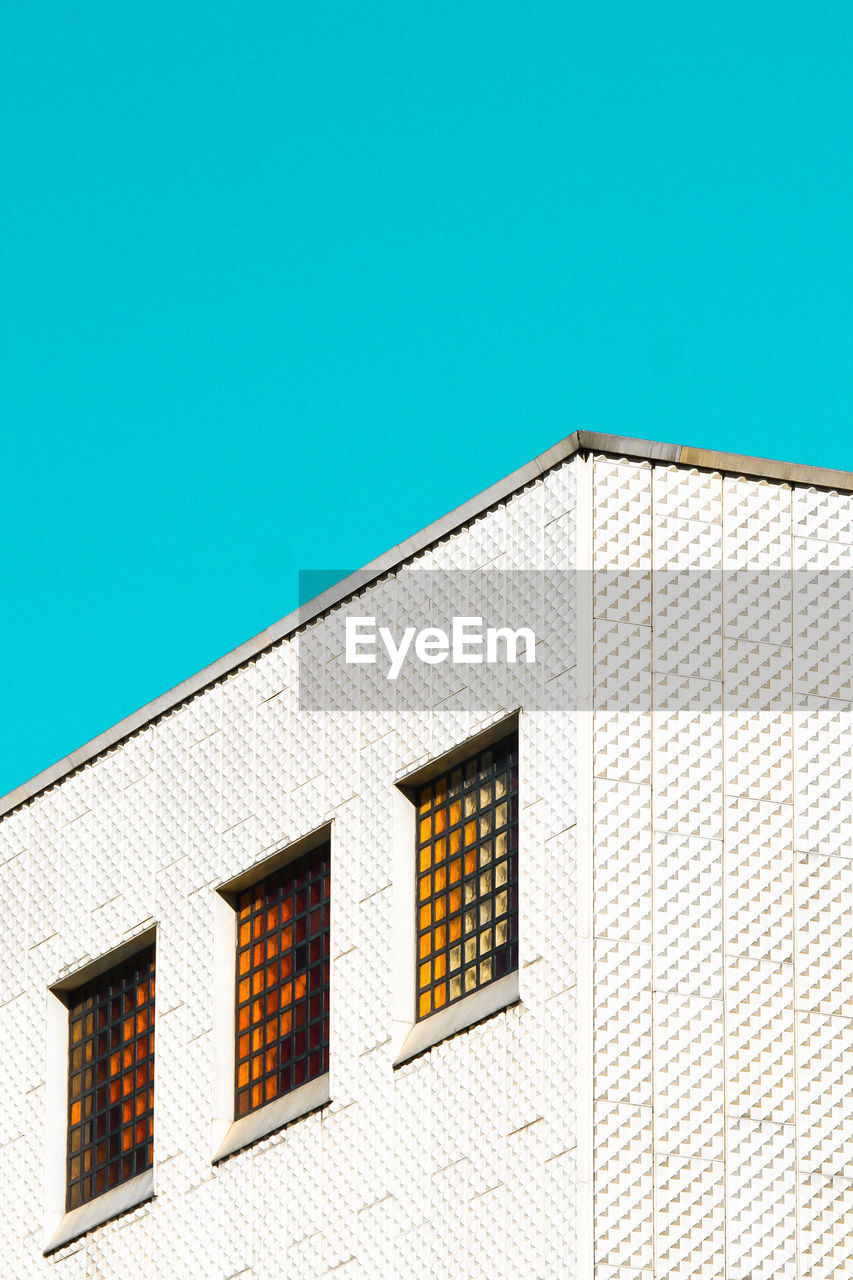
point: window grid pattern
(282, 1018)
(467, 877)
(111, 1079)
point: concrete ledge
(275, 1115)
(415, 1039)
(126, 1196)
(767, 469)
(578, 441)
(628, 447)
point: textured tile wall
(450, 1166)
(723, 877)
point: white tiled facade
(722, 877)
(670, 1098)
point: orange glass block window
(111, 1079)
(467, 877)
(282, 1027)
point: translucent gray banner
(485, 638)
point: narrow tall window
(282, 1015)
(467, 877)
(110, 1078)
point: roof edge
(292, 621)
(578, 441)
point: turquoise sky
(281, 283)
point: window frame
(62, 1225)
(410, 1035)
(230, 1134)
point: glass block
(283, 949)
(110, 1079)
(467, 867)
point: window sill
(229, 1137)
(76, 1222)
(415, 1038)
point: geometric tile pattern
(762, 1182)
(759, 720)
(823, 738)
(622, 1038)
(826, 1211)
(724, 712)
(622, 540)
(688, 914)
(437, 1168)
(759, 879)
(622, 878)
(823, 601)
(824, 913)
(690, 1218)
(624, 1185)
(622, 674)
(687, 612)
(760, 1039)
(689, 1077)
(825, 1120)
(688, 756)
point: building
(502, 969)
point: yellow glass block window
(110, 1079)
(467, 877)
(282, 1012)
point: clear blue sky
(282, 283)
